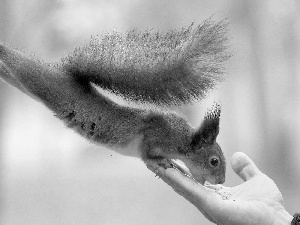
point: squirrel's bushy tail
(170, 68)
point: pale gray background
(49, 175)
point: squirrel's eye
(214, 161)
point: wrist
(283, 218)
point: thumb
(244, 166)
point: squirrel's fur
(162, 68)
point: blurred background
(49, 175)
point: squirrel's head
(205, 160)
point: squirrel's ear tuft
(209, 129)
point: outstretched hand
(256, 201)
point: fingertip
(244, 166)
(237, 161)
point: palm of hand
(256, 201)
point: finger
(181, 183)
(214, 186)
(244, 166)
(201, 197)
(195, 193)
(174, 178)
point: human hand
(256, 201)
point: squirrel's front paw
(159, 162)
(165, 163)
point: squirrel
(166, 69)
